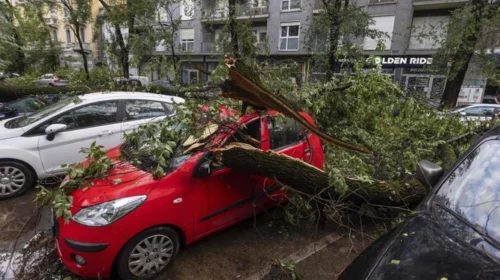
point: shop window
(382, 24)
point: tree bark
(20, 65)
(333, 9)
(305, 178)
(82, 50)
(124, 51)
(232, 28)
(463, 56)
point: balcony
(438, 4)
(51, 21)
(244, 11)
(75, 47)
(210, 48)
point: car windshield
(472, 192)
(42, 113)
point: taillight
(57, 79)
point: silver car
(52, 80)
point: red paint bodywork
(200, 198)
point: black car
(456, 231)
(21, 107)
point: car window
(27, 105)
(282, 132)
(251, 129)
(479, 111)
(472, 191)
(91, 115)
(143, 109)
(42, 113)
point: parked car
(163, 83)
(456, 231)
(489, 99)
(144, 80)
(478, 112)
(21, 107)
(137, 227)
(127, 82)
(52, 80)
(36, 146)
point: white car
(478, 112)
(36, 146)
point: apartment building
(56, 17)
(283, 24)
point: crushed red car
(135, 229)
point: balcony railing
(75, 46)
(51, 21)
(382, 1)
(441, 4)
(242, 11)
(210, 47)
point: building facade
(283, 25)
(56, 17)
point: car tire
(137, 260)
(15, 179)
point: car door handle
(105, 132)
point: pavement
(243, 251)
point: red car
(136, 228)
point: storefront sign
(403, 61)
(470, 94)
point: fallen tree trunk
(310, 180)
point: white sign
(470, 94)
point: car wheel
(15, 179)
(148, 254)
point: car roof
(483, 105)
(130, 95)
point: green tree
(473, 34)
(80, 14)
(342, 23)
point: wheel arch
(180, 232)
(24, 163)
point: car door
(283, 136)
(226, 196)
(97, 122)
(139, 112)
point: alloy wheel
(151, 255)
(12, 180)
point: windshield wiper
(491, 240)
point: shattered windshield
(42, 113)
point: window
(187, 10)
(251, 129)
(193, 76)
(68, 36)
(96, 114)
(422, 26)
(479, 111)
(52, 9)
(66, 12)
(382, 24)
(27, 105)
(187, 40)
(143, 109)
(289, 37)
(290, 5)
(282, 132)
(262, 37)
(472, 191)
(54, 34)
(82, 34)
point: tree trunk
(463, 56)
(333, 10)
(20, 65)
(305, 178)
(124, 52)
(232, 28)
(82, 50)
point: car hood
(6, 133)
(124, 180)
(423, 249)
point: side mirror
(429, 173)
(53, 129)
(205, 170)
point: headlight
(108, 212)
